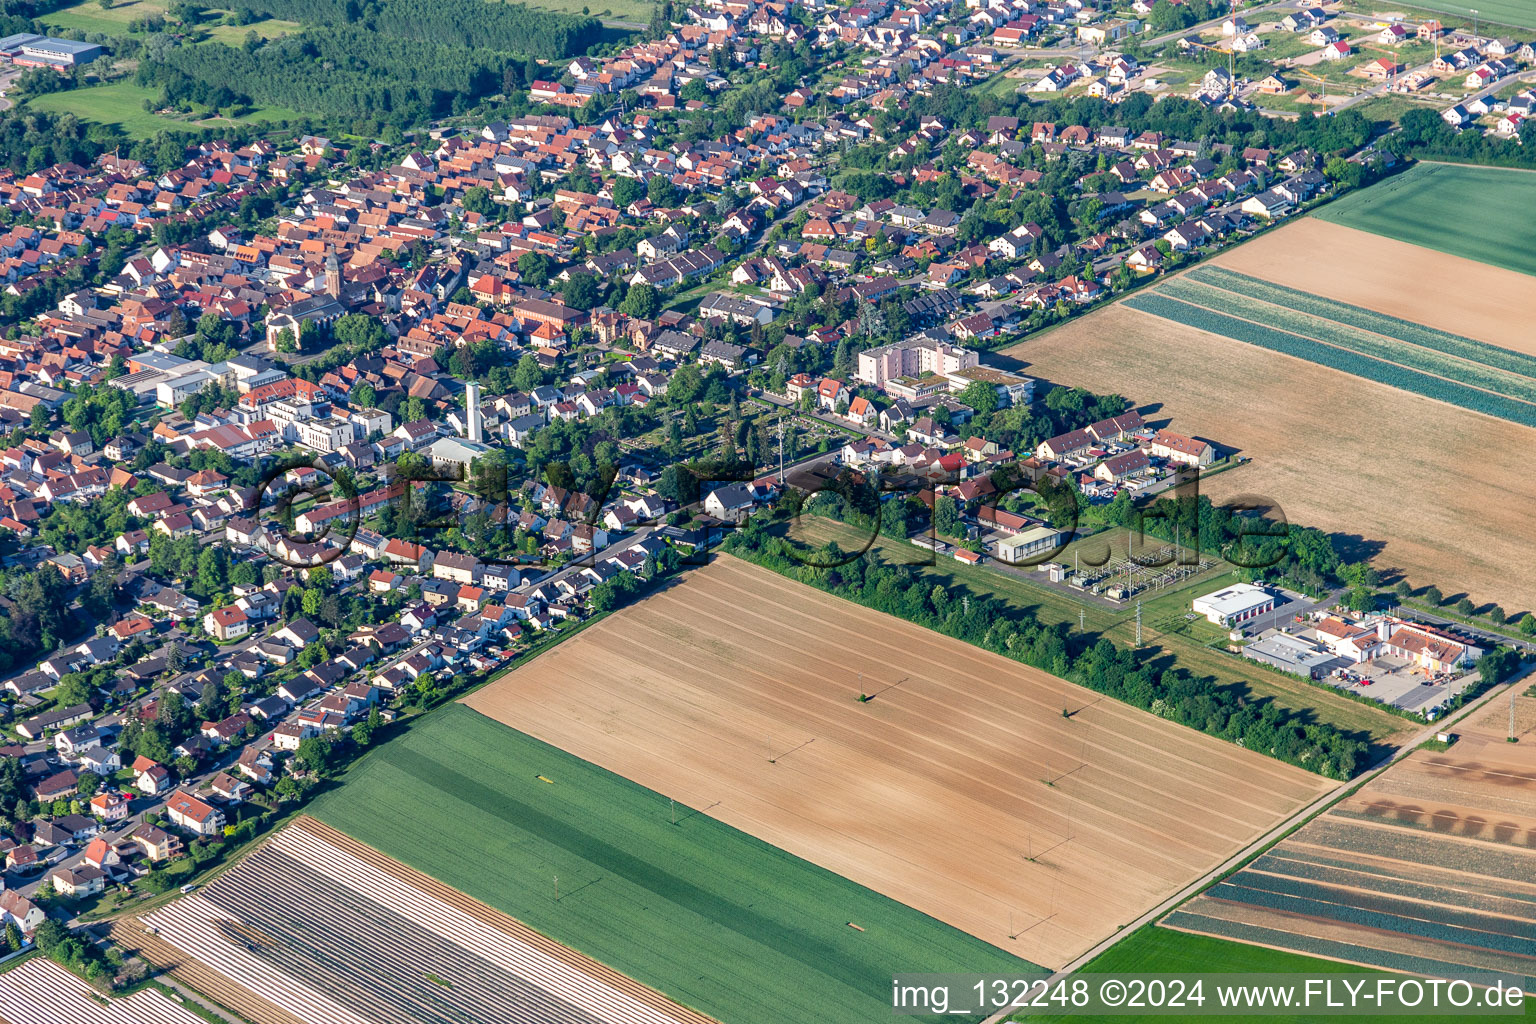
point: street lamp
(1474, 22)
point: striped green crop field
(1389, 350)
(1485, 214)
(1367, 320)
(706, 914)
(1393, 370)
(1432, 361)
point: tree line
(1422, 133)
(335, 72)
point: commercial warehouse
(1235, 604)
(29, 50)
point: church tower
(332, 276)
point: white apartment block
(325, 435)
(912, 357)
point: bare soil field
(1432, 288)
(1430, 868)
(960, 790)
(1432, 490)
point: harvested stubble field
(413, 950)
(1463, 296)
(41, 992)
(1429, 869)
(1438, 488)
(667, 894)
(960, 789)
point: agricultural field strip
(992, 699)
(837, 826)
(934, 833)
(1352, 876)
(1516, 776)
(1388, 936)
(1399, 842)
(452, 924)
(1372, 929)
(1303, 849)
(191, 925)
(1419, 783)
(130, 934)
(480, 942)
(41, 992)
(696, 899)
(736, 927)
(1282, 875)
(972, 781)
(1130, 777)
(1472, 373)
(1337, 358)
(1475, 213)
(495, 921)
(605, 727)
(1439, 877)
(1116, 814)
(1261, 928)
(375, 960)
(1254, 793)
(1114, 834)
(1467, 824)
(1499, 931)
(1391, 893)
(1441, 819)
(1366, 319)
(368, 979)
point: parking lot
(1394, 681)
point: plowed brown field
(960, 790)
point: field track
(263, 939)
(735, 691)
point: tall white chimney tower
(472, 410)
